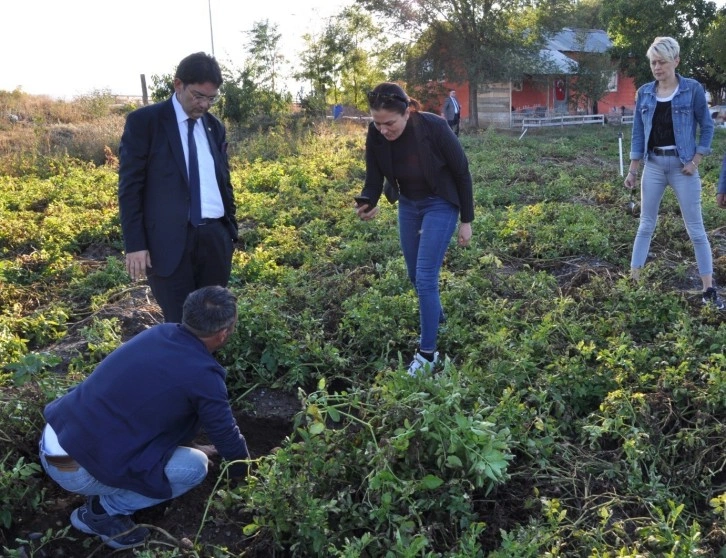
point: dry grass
(34, 128)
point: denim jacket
(721, 189)
(689, 107)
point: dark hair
(391, 96)
(199, 67)
(209, 310)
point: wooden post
(144, 93)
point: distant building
(548, 89)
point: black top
(407, 166)
(661, 134)
(444, 166)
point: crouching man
(122, 437)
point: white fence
(562, 120)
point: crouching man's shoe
(117, 531)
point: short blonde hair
(666, 48)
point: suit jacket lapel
(168, 121)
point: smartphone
(364, 200)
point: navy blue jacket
(446, 168)
(153, 187)
(149, 396)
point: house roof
(580, 40)
(554, 62)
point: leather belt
(63, 462)
(661, 151)
(208, 221)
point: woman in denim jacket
(667, 113)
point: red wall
(623, 97)
(534, 94)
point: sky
(69, 48)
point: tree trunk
(473, 104)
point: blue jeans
(658, 173)
(425, 228)
(186, 469)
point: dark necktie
(195, 215)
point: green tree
(593, 76)
(633, 24)
(265, 58)
(585, 14)
(485, 41)
(319, 63)
(238, 97)
(359, 45)
(162, 87)
(714, 61)
(251, 97)
(343, 61)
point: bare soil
(174, 523)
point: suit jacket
(449, 110)
(446, 167)
(154, 196)
(150, 395)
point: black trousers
(454, 124)
(207, 260)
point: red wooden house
(548, 90)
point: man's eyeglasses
(211, 99)
(379, 98)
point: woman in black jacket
(427, 172)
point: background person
(178, 217)
(667, 113)
(452, 111)
(122, 436)
(721, 188)
(418, 152)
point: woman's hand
(721, 200)
(690, 168)
(365, 215)
(631, 180)
(464, 234)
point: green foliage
(30, 365)
(575, 411)
(162, 87)
(15, 487)
(102, 336)
(633, 24)
(395, 461)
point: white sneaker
(421, 363)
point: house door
(560, 96)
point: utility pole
(211, 31)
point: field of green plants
(576, 414)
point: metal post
(211, 31)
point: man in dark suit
(452, 111)
(175, 195)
